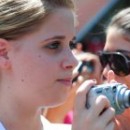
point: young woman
(36, 65)
(116, 58)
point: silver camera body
(117, 93)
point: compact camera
(118, 94)
(88, 64)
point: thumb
(111, 76)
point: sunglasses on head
(118, 61)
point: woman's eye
(54, 45)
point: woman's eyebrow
(55, 37)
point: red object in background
(95, 45)
(68, 118)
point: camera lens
(122, 98)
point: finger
(80, 79)
(111, 76)
(110, 126)
(82, 92)
(99, 105)
(78, 82)
(75, 71)
(108, 115)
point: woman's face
(115, 41)
(43, 63)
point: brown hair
(18, 17)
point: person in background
(78, 49)
(115, 58)
(92, 67)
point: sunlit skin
(39, 68)
(116, 41)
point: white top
(47, 125)
(2, 127)
(54, 126)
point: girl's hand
(110, 76)
(98, 116)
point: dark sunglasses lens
(103, 59)
(119, 65)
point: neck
(17, 122)
(17, 114)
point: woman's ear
(4, 59)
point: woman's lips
(66, 81)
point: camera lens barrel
(122, 96)
(118, 94)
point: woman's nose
(70, 61)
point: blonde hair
(18, 17)
(121, 21)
